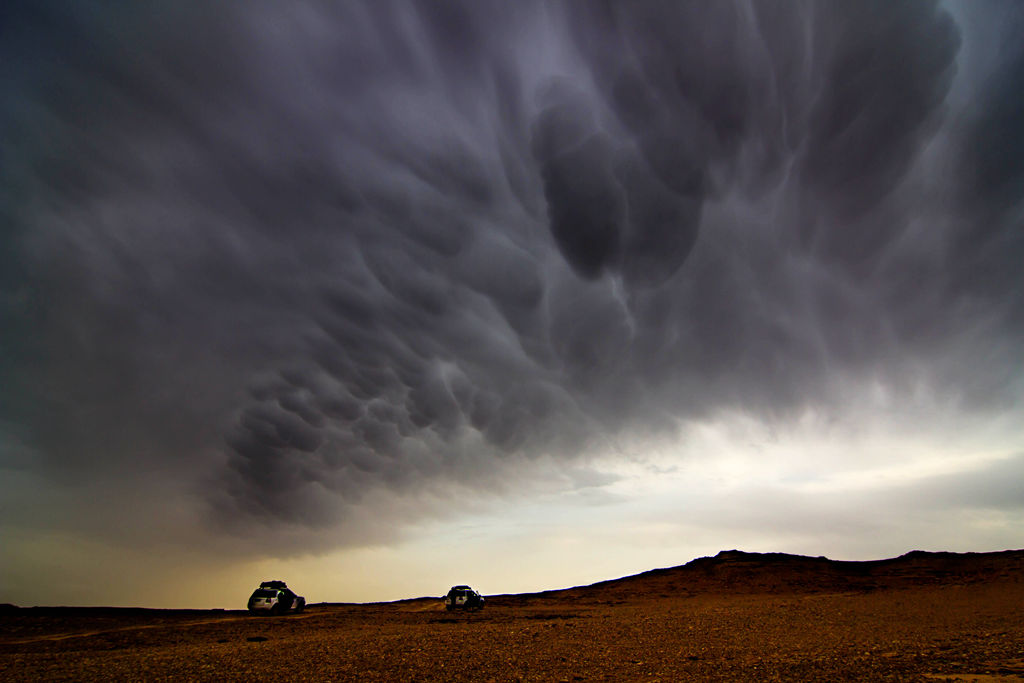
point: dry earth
(734, 617)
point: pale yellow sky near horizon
(761, 490)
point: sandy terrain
(736, 617)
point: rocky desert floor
(736, 617)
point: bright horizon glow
(729, 484)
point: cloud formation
(300, 258)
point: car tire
(300, 605)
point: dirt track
(957, 630)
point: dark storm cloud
(295, 256)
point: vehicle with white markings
(274, 597)
(463, 597)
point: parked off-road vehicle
(463, 597)
(274, 597)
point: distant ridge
(730, 571)
(742, 572)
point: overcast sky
(380, 297)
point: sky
(382, 297)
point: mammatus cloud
(304, 260)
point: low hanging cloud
(297, 257)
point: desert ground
(733, 617)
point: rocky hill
(742, 572)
